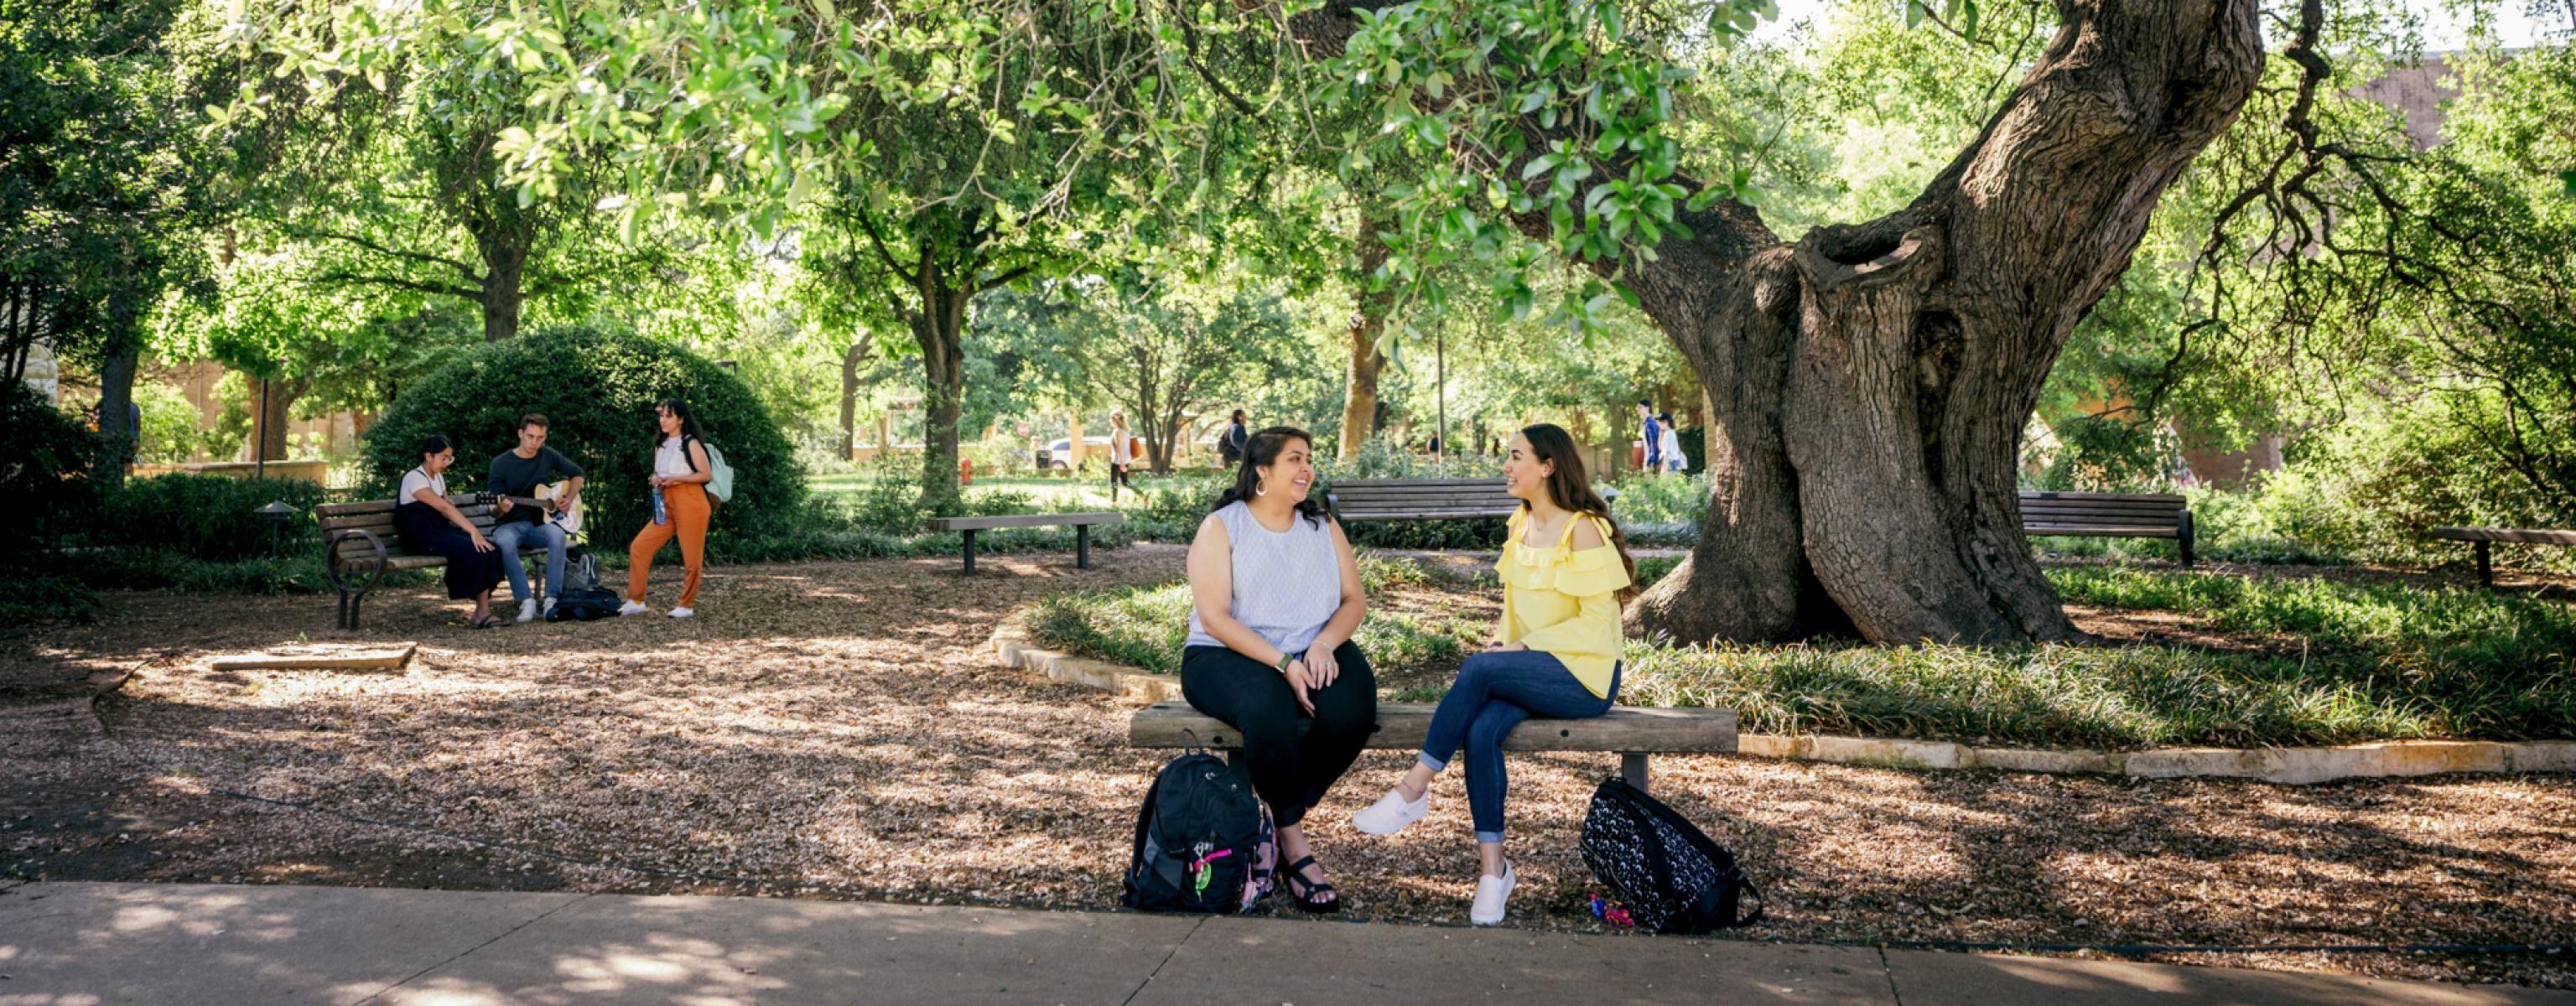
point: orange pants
(687, 503)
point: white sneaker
(528, 610)
(1491, 892)
(549, 609)
(683, 612)
(632, 608)
(1391, 812)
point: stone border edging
(2295, 766)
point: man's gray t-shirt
(513, 475)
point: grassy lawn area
(2275, 660)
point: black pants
(1118, 476)
(1290, 773)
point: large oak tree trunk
(1869, 383)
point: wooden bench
(1354, 500)
(1631, 733)
(1419, 499)
(2482, 542)
(360, 541)
(2108, 515)
(1081, 523)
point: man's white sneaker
(1491, 892)
(528, 610)
(1391, 813)
(549, 609)
(632, 608)
(683, 612)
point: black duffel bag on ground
(583, 605)
(1670, 876)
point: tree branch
(462, 269)
(439, 289)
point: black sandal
(1306, 892)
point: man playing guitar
(518, 473)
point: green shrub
(44, 470)
(598, 389)
(207, 517)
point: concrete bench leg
(1632, 769)
(1082, 546)
(970, 551)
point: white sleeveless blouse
(1287, 584)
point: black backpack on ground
(584, 604)
(1203, 841)
(1670, 876)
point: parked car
(1059, 455)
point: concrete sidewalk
(79, 943)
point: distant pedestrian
(1237, 437)
(1653, 436)
(1122, 452)
(1674, 460)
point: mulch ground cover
(841, 730)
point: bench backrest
(377, 517)
(1421, 499)
(2041, 511)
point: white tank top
(1287, 584)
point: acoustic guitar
(567, 518)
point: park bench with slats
(1081, 523)
(2482, 542)
(2109, 515)
(1355, 500)
(1632, 734)
(363, 546)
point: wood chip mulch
(840, 730)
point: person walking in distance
(1122, 453)
(1237, 437)
(1653, 436)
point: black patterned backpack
(1204, 842)
(1670, 876)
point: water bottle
(660, 515)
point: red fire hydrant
(965, 471)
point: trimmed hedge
(598, 389)
(207, 517)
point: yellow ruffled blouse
(1565, 602)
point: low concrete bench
(1633, 734)
(2482, 543)
(1081, 523)
(2109, 515)
(363, 546)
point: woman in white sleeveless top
(1275, 598)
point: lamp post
(276, 513)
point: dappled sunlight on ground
(841, 730)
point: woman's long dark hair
(1571, 489)
(1264, 448)
(688, 422)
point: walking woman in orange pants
(680, 474)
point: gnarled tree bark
(1869, 383)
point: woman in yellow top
(1565, 572)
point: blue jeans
(506, 540)
(1495, 691)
